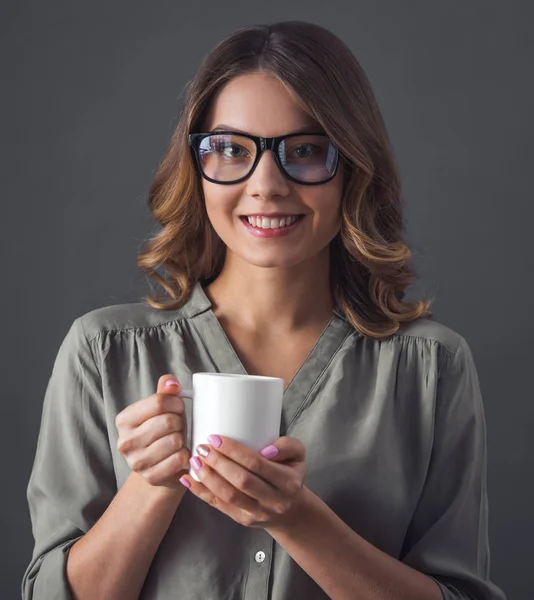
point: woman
(281, 254)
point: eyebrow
(303, 129)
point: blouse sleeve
(72, 480)
(448, 535)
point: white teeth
(274, 223)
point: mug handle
(188, 393)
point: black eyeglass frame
(262, 143)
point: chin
(273, 262)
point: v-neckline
(226, 360)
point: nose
(267, 179)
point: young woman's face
(259, 105)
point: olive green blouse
(395, 441)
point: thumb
(168, 384)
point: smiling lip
(275, 215)
(271, 233)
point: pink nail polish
(184, 482)
(170, 382)
(215, 440)
(195, 463)
(270, 451)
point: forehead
(258, 104)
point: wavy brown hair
(369, 260)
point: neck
(273, 299)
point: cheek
(327, 224)
(220, 202)
(327, 212)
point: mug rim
(241, 376)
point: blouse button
(260, 556)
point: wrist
(158, 494)
(299, 514)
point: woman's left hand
(253, 490)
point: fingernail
(203, 450)
(195, 463)
(215, 440)
(270, 451)
(170, 382)
(184, 482)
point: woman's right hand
(153, 435)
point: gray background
(90, 95)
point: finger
(150, 431)
(168, 384)
(205, 494)
(285, 449)
(168, 469)
(223, 489)
(142, 410)
(241, 478)
(156, 452)
(138, 412)
(276, 474)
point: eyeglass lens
(227, 157)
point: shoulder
(140, 315)
(428, 329)
(455, 354)
(129, 316)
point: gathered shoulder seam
(105, 331)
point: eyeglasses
(228, 157)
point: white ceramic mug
(245, 408)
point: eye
(226, 149)
(235, 151)
(305, 150)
